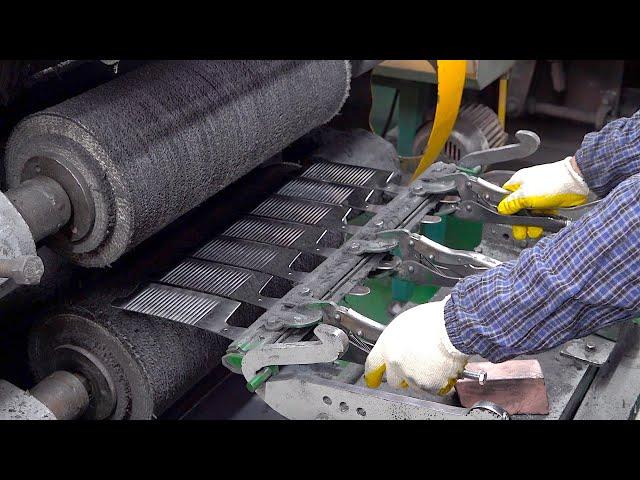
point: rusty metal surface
(516, 385)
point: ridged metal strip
(319, 192)
(291, 210)
(176, 304)
(265, 231)
(207, 277)
(336, 172)
(244, 255)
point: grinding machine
(188, 214)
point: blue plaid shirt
(570, 284)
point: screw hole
(344, 407)
(505, 236)
(326, 400)
(361, 412)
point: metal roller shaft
(64, 393)
(43, 204)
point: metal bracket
(592, 349)
(332, 343)
(302, 396)
(528, 144)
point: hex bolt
(481, 376)
(590, 347)
(24, 270)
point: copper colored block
(516, 385)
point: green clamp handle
(475, 171)
(262, 376)
(233, 361)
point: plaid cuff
(454, 327)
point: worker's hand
(415, 351)
(543, 188)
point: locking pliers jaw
(428, 262)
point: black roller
(151, 145)
(136, 366)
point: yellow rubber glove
(543, 188)
(415, 350)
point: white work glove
(543, 188)
(415, 351)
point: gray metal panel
(281, 234)
(208, 277)
(338, 173)
(253, 255)
(615, 391)
(236, 252)
(291, 210)
(180, 305)
(317, 191)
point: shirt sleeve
(611, 155)
(568, 285)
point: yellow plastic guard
(451, 77)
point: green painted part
(435, 231)
(261, 377)
(471, 171)
(411, 104)
(381, 105)
(402, 290)
(462, 234)
(234, 359)
(374, 305)
(636, 321)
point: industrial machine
(185, 214)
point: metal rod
(43, 204)
(64, 393)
